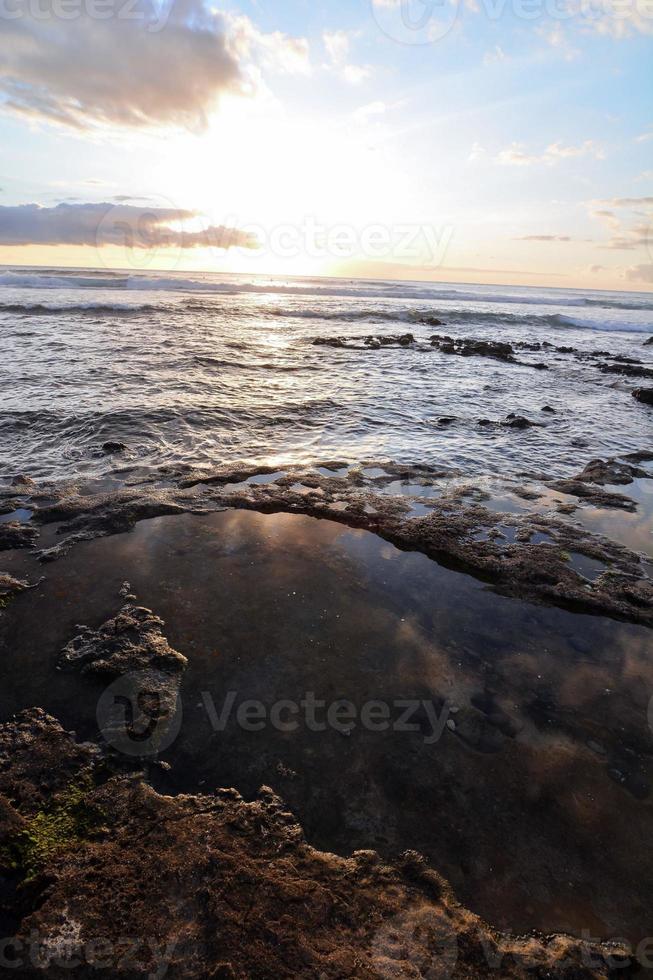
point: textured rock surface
(214, 886)
(452, 527)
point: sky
(497, 141)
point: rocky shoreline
(226, 886)
(102, 871)
(520, 553)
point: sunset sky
(488, 141)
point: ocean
(198, 369)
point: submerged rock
(644, 395)
(113, 447)
(219, 887)
(513, 421)
(627, 369)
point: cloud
(337, 45)
(557, 38)
(626, 234)
(544, 238)
(102, 224)
(614, 18)
(516, 156)
(367, 112)
(137, 69)
(275, 52)
(639, 273)
(495, 56)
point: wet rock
(649, 342)
(627, 370)
(14, 534)
(447, 420)
(188, 868)
(513, 421)
(644, 395)
(371, 342)
(25, 482)
(549, 410)
(131, 641)
(642, 456)
(610, 471)
(455, 530)
(110, 448)
(593, 495)
(468, 347)
(11, 586)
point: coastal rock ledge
(213, 886)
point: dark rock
(131, 641)
(371, 342)
(644, 395)
(14, 534)
(432, 321)
(549, 410)
(10, 586)
(113, 447)
(599, 498)
(649, 342)
(468, 347)
(610, 471)
(513, 421)
(23, 481)
(446, 420)
(289, 910)
(627, 370)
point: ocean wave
(95, 309)
(327, 288)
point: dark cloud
(103, 224)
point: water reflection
(534, 803)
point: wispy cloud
(337, 45)
(544, 238)
(626, 233)
(639, 273)
(516, 156)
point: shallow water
(536, 805)
(205, 368)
